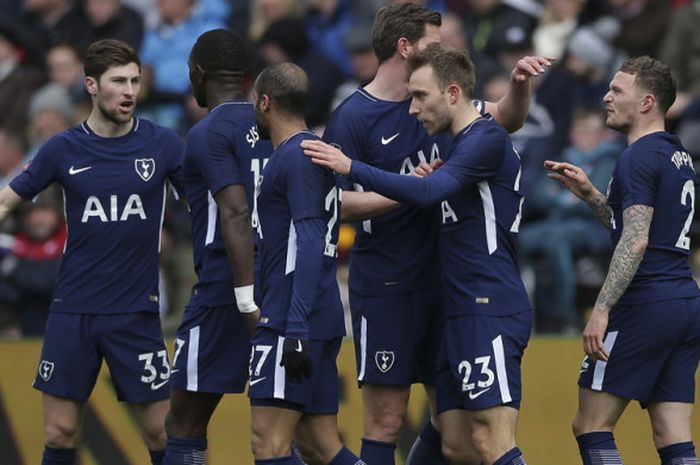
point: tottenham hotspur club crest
(384, 360)
(145, 167)
(45, 370)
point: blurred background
(563, 252)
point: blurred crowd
(563, 252)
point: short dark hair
(287, 85)
(220, 50)
(654, 77)
(400, 20)
(450, 66)
(107, 53)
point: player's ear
(648, 103)
(91, 85)
(453, 92)
(403, 46)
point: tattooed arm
(576, 180)
(623, 266)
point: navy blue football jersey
(395, 252)
(115, 190)
(657, 171)
(222, 149)
(480, 198)
(292, 189)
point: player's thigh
(150, 417)
(479, 364)
(272, 430)
(269, 385)
(385, 405)
(396, 337)
(597, 411)
(456, 433)
(212, 351)
(70, 357)
(641, 341)
(133, 347)
(190, 412)
(62, 419)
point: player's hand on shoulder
(530, 66)
(573, 177)
(425, 168)
(296, 359)
(327, 156)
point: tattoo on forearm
(602, 210)
(628, 254)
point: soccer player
(293, 375)
(114, 170)
(642, 340)
(212, 347)
(395, 293)
(487, 320)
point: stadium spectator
(364, 64)
(556, 24)
(50, 22)
(65, 67)
(265, 12)
(110, 19)
(12, 148)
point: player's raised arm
(238, 240)
(9, 200)
(511, 110)
(576, 180)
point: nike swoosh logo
(299, 348)
(386, 141)
(155, 387)
(473, 395)
(253, 382)
(174, 370)
(72, 170)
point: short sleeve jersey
(115, 190)
(223, 149)
(657, 171)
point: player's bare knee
(61, 435)
(265, 445)
(385, 425)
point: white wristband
(244, 299)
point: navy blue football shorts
(397, 337)
(479, 361)
(268, 385)
(212, 348)
(130, 343)
(654, 350)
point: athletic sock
(345, 457)
(157, 456)
(598, 448)
(185, 451)
(427, 448)
(58, 456)
(377, 452)
(512, 457)
(682, 453)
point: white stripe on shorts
(280, 374)
(599, 371)
(363, 348)
(501, 373)
(192, 355)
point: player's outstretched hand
(327, 156)
(593, 333)
(530, 66)
(425, 168)
(251, 321)
(296, 359)
(573, 177)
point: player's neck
(391, 81)
(465, 115)
(106, 128)
(224, 92)
(644, 127)
(284, 128)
